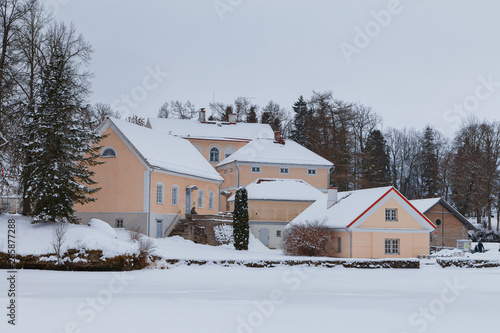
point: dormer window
(108, 152)
(214, 155)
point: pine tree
(60, 146)
(241, 228)
(301, 121)
(252, 115)
(429, 164)
(376, 164)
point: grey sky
(428, 57)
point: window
(200, 198)
(108, 152)
(119, 223)
(214, 154)
(339, 244)
(256, 169)
(231, 170)
(278, 233)
(159, 193)
(228, 152)
(211, 200)
(311, 172)
(225, 172)
(198, 148)
(391, 214)
(284, 170)
(392, 246)
(175, 195)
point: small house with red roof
(371, 223)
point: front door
(264, 236)
(188, 201)
(159, 228)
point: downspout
(238, 174)
(149, 200)
(350, 241)
(330, 177)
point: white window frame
(113, 154)
(216, 157)
(284, 171)
(391, 214)
(225, 172)
(232, 151)
(119, 223)
(175, 195)
(391, 246)
(339, 244)
(211, 200)
(200, 198)
(160, 193)
(231, 169)
(257, 169)
(312, 172)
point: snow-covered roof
(423, 205)
(281, 190)
(351, 206)
(269, 151)
(191, 128)
(164, 151)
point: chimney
(332, 196)
(278, 138)
(232, 118)
(201, 115)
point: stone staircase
(200, 228)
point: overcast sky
(415, 62)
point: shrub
(224, 234)
(308, 239)
(135, 233)
(241, 228)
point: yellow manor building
(154, 176)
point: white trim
(104, 149)
(312, 174)
(291, 165)
(211, 195)
(176, 196)
(386, 230)
(162, 201)
(145, 201)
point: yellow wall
(121, 180)
(377, 219)
(320, 180)
(279, 211)
(206, 145)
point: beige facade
(224, 148)
(132, 193)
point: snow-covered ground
(238, 299)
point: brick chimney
(232, 118)
(332, 196)
(201, 115)
(278, 138)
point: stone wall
(200, 228)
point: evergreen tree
(252, 115)
(241, 228)
(376, 163)
(429, 164)
(60, 146)
(301, 121)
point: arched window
(175, 195)
(108, 152)
(211, 200)
(200, 198)
(159, 193)
(198, 148)
(228, 152)
(214, 154)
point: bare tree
(58, 238)
(163, 111)
(182, 110)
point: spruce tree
(376, 163)
(252, 115)
(241, 228)
(429, 164)
(60, 145)
(301, 121)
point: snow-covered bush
(308, 239)
(482, 234)
(103, 227)
(224, 234)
